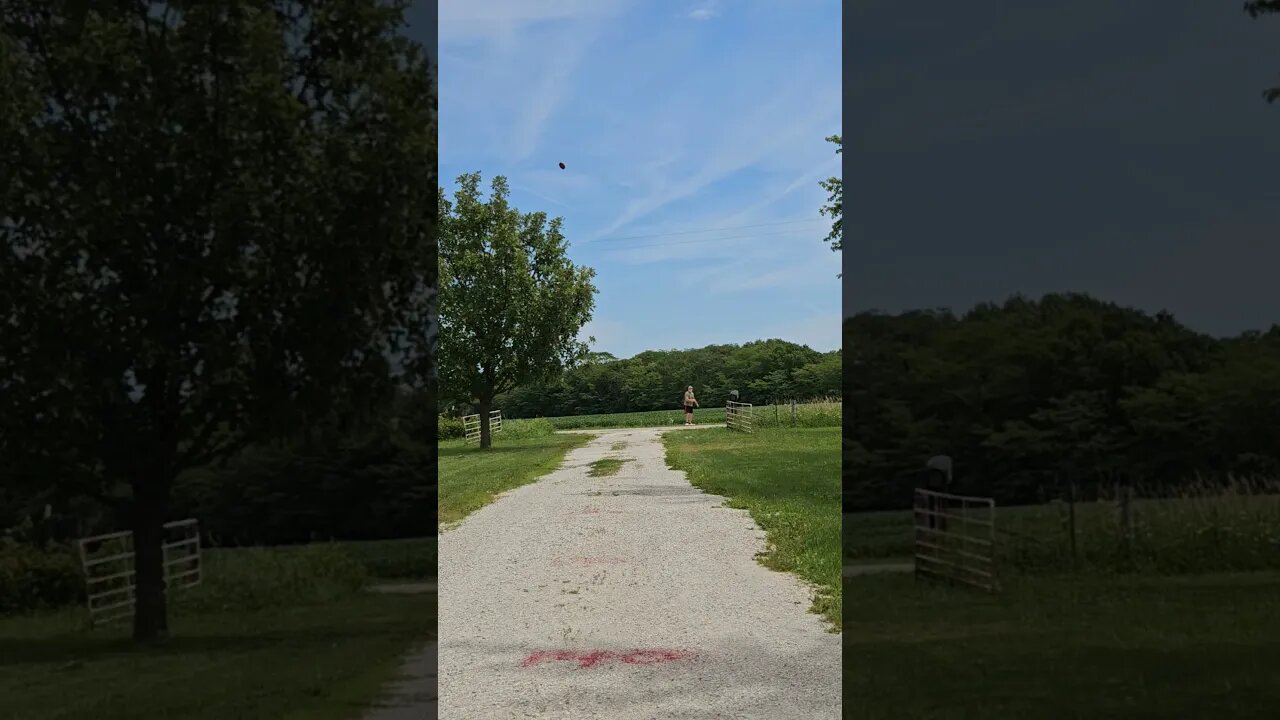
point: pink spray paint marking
(593, 658)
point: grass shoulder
(471, 478)
(789, 481)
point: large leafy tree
(1258, 8)
(215, 229)
(834, 208)
(511, 302)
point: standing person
(690, 402)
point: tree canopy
(215, 229)
(512, 303)
(763, 371)
(1028, 395)
(1256, 9)
(834, 208)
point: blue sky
(1043, 146)
(693, 135)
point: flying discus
(561, 166)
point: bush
(32, 579)
(450, 428)
(261, 578)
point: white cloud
(704, 11)
(494, 43)
(729, 135)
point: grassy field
(1201, 531)
(789, 480)
(818, 414)
(1134, 646)
(471, 478)
(272, 633)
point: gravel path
(628, 597)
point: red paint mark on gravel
(592, 658)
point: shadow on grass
(63, 642)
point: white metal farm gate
(471, 425)
(108, 564)
(955, 538)
(737, 416)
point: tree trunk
(486, 403)
(150, 504)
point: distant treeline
(1031, 396)
(762, 371)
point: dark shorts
(688, 408)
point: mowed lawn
(1087, 647)
(789, 480)
(471, 478)
(273, 634)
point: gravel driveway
(633, 596)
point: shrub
(32, 579)
(450, 428)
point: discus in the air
(561, 166)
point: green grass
(604, 467)
(817, 414)
(1056, 648)
(324, 661)
(789, 480)
(286, 632)
(1199, 532)
(409, 559)
(471, 478)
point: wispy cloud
(668, 128)
(495, 36)
(704, 10)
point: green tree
(834, 208)
(215, 227)
(1258, 8)
(511, 301)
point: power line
(694, 232)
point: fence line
(955, 538)
(110, 572)
(471, 425)
(737, 416)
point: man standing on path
(690, 402)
